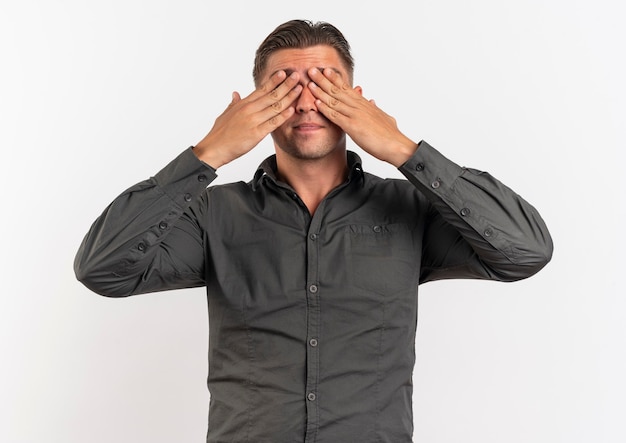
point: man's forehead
(302, 59)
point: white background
(95, 96)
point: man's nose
(306, 101)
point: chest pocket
(382, 258)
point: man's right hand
(247, 121)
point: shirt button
(313, 342)
(313, 237)
(141, 246)
(162, 225)
(419, 167)
(377, 228)
(313, 289)
(435, 184)
(187, 197)
(465, 212)
(311, 396)
(202, 178)
(488, 232)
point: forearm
(507, 234)
(146, 239)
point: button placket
(313, 289)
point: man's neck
(313, 179)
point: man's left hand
(368, 126)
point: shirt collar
(268, 169)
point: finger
(328, 100)
(277, 98)
(278, 106)
(332, 114)
(265, 103)
(334, 91)
(330, 81)
(276, 95)
(275, 113)
(235, 97)
(277, 119)
(278, 85)
(276, 79)
(280, 98)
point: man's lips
(308, 126)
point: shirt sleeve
(478, 227)
(148, 238)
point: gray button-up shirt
(312, 319)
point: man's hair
(301, 34)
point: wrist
(209, 155)
(402, 152)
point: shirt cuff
(430, 170)
(185, 177)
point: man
(312, 267)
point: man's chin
(309, 153)
(309, 149)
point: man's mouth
(308, 127)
